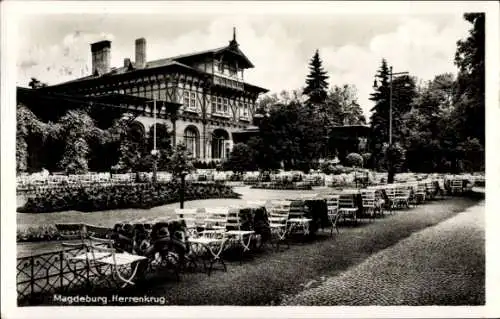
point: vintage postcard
(252, 159)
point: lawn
(269, 276)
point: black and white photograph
(267, 155)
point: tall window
(214, 104)
(219, 105)
(190, 100)
(226, 106)
(191, 141)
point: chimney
(140, 53)
(101, 57)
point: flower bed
(38, 233)
(283, 185)
(101, 197)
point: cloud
(279, 50)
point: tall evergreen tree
(379, 119)
(316, 84)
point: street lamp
(183, 187)
(154, 152)
(391, 75)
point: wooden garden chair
(237, 235)
(370, 204)
(402, 196)
(278, 221)
(212, 240)
(332, 205)
(99, 253)
(347, 207)
(188, 215)
(297, 219)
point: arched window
(192, 141)
(219, 136)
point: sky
(56, 47)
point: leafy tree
(241, 159)
(75, 127)
(163, 145)
(181, 162)
(394, 159)
(342, 106)
(354, 160)
(470, 92)
(316, 84)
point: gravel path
(440, 265)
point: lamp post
(391, 76)
(154, 152)
(183, 188)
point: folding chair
(100, 252)
(237, 235)
(278, 219)
(347, 207)
(212, 240)
(297, 219)
(402, 197)
(188, 215)
(371, 204)
(332, 204)
(457, 186)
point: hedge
(101, 197)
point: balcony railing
(227, 82)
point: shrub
(354, 159)
(100, 197)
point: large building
(202, 96)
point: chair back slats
(188, 215)
(233, 219)
(332, 205)
(279, 212)
(216, 218)
(297, 209)
(346, 201)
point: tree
(379, 119)
(181, 162)
(163, 145)
(354, 160)
(241, 159)
(316, 84)
(75, 128)
(394, 159)
(470, 92)
(342, 106)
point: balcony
(228, 83)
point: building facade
(202, 97)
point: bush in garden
(338, 169)
(100, 197)
(366, 158)
(354, 160)
(38, 233)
